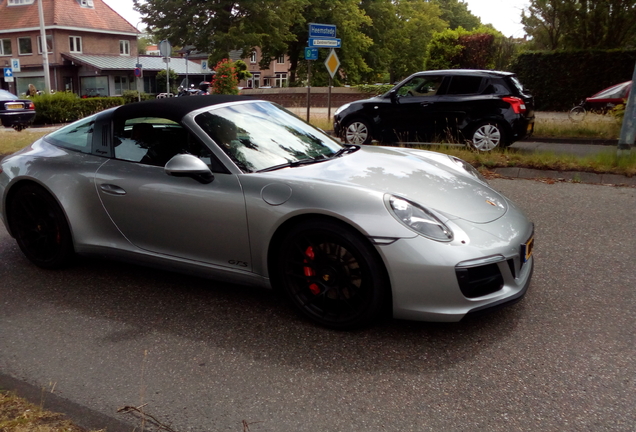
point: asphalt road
(210, 357)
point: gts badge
(238, 263)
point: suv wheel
(357, 132)
(486, 136)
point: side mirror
(185, 165)
(393, 96)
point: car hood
(430, 179)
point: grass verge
(603, 163)
(18, 415)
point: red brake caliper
(309, 272)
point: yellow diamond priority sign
(332, 62)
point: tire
(332, 275)
(486, 136)
(357, 132)
(577, 113)
(39, 226)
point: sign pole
(308, 87)
(329, 98)
(628, 128)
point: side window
(154, 141)
(76, 136)
(421, 86)
(464, 85)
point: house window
(5, 47)
(86, 3)
(94, 86)
(124, 47)
(281, 79)
(123, 83)
(24, 45)
(20, 2)
(266, 82)
(75, 44)
(49, 44)
(281, 59)
(257, 80)
(253, 57)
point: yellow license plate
(527, 248)
(14, 106)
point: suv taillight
(518, 105)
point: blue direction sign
(8, 75)
(322, 30)
(324, 42)
(311, 53)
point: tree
(581, 24)
(401, 31)
(456, 14)
(482, 48)
(241, 70)
(221, 26)
(161, 81)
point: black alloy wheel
(39, 226)
(332, 275)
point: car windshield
(614, 92)
(259, 136)
(5, 95)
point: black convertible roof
(173, 108)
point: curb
(566, 176)
(588, 141)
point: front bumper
(426, 276)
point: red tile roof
(64, 13)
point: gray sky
(504, 15)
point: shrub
(68, 107)
(225, 81)
(131, 96)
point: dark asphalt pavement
(205, 356)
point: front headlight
(342, 108)
(469, 168)
(419, 219)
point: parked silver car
(243, 191)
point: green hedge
(68, 107)
(559, 80)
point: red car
(602, 101)
(610, 97)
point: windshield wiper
(294, 164)
(345, 150)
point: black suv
(486, 109)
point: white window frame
(49, 38)
(124, 47)
(20, 51)
(253, 57)
(2, 51)
(73, 44)
(20, 2)
(281, 59)
(87, 3)
(281, 79)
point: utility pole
(45, 50)
(628, 129)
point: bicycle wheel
(577, 113)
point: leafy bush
(68, 107)
(561, 79)
(131, 96)
(374, 90)
(225, 81)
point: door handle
(425, 103)
(112, 189)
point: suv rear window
(464, 84)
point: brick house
(92, 50)
(276, 75)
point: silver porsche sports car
(241, 190)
